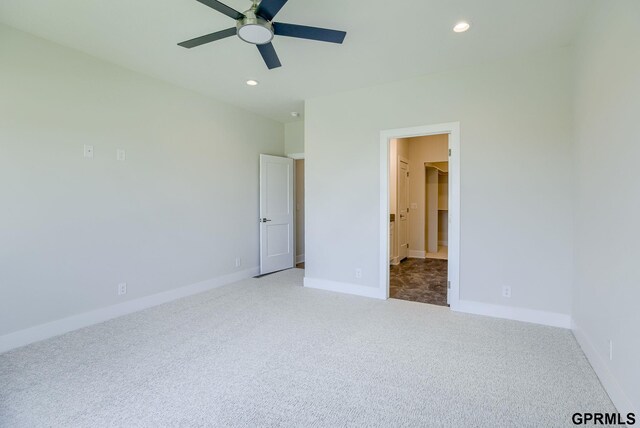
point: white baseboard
(300, 259)
(417, 254)
(74, 322)
(518, 314)
(496, 311)
(609, 382)
(344, 287)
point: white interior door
(403, 209)
(276, 214)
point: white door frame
(453, 129)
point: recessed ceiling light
(461, 27)
(295, 114)
(252, 82)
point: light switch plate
(121, 155)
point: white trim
(609, 382)
(453, 129)
(300, 259)
(296, 156)
(417, 254)
(74, 322)
(344, 287)
(552, 319)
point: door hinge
(449, 152)
(449, 285)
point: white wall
(607, 250)
(294, 138)
(516, 223)
(178, 211)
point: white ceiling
(386, 41)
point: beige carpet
(268, 352)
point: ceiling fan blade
(311, 33)
(269, 55)
(209, 38)
(268, 9)
(222, 8)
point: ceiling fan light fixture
(254, 29)
(461, 27)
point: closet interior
(436, 209)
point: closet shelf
(442, 167)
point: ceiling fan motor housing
(254, 29)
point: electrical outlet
(121, 155)
(611, 350)
(88, 151)
(122, 288)
(506, 291)
(358, 273)
(238, 262)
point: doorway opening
(299, 203)
(281, 213)
(420, 185)
(277, 216)
(418, 223)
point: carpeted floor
(268, 352)
(419, 280)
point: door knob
(264, 220)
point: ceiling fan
(256, 26)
